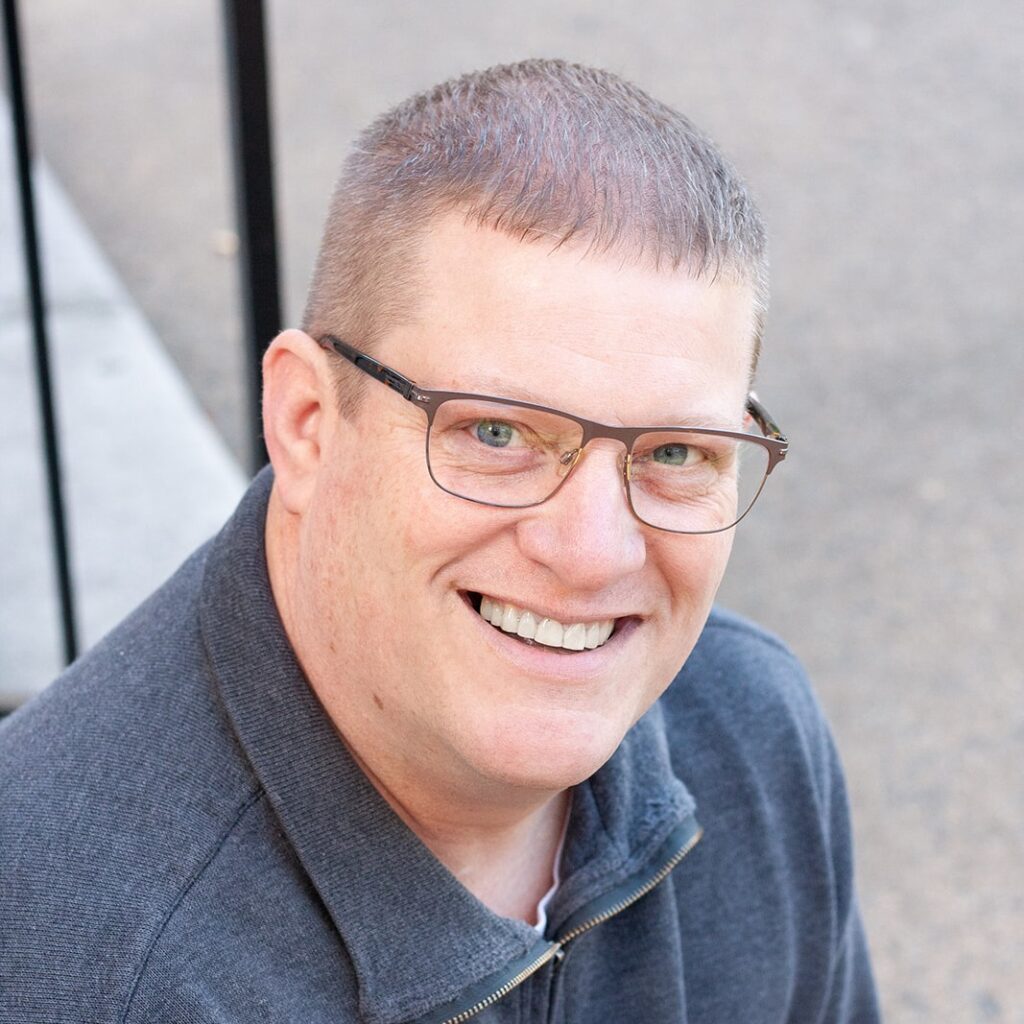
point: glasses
(512, 454)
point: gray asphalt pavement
(884, 142)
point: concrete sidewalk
(146, 476)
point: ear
(299, 413)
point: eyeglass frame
(430, 400)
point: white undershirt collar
(556, 877)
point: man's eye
(674, 454)
(495, 433)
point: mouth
(534, 628)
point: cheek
(720, 548)
(380, 500)
(693, 568)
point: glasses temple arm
(394, 380)
(763, 418)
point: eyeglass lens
(513, 457)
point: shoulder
(743, 719)
(739, 673)
(741, 665)
(772, 878)
(117, 785)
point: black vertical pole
(254, 192)
(33, 271)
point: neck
(504, 855)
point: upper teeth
(550, 632)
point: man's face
(392, 567)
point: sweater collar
(388, 896)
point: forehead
(607, 339)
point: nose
(586, 534)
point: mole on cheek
(378, 702)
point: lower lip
(556, 663)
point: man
(425, 732)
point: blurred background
(883, 142)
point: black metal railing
(37, 312)
(249, 111)
(248, 91)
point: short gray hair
(541, 149)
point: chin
(546, 754)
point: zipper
(556, 950)
(514, 982)
(653, 882)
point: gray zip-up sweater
(183, 837)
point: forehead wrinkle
(682, 404)
(487, 385)
(692, 401)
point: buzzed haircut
(544, 151)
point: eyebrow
(492, 387)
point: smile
(535, 628)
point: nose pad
(568, 460)
(627, 475)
